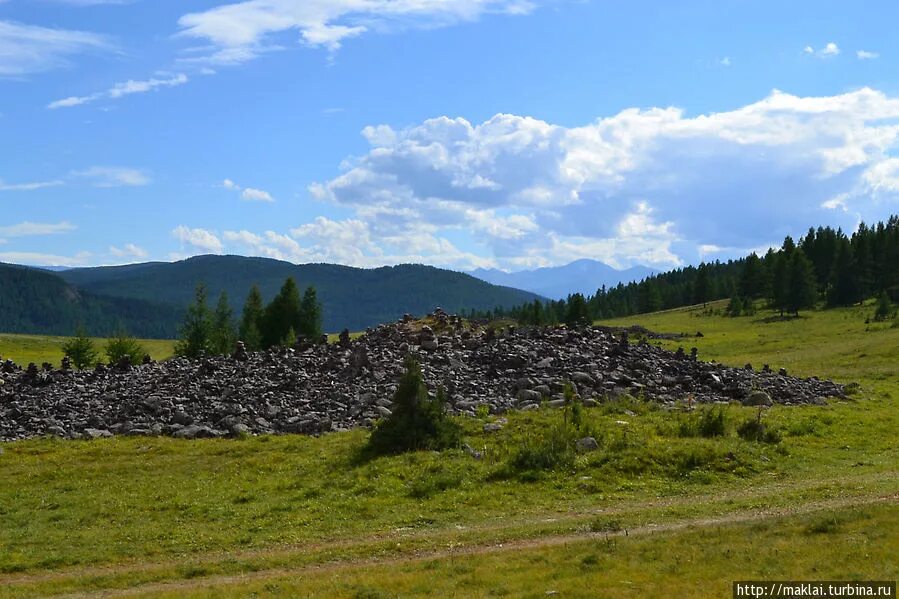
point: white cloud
(198, 238)
(256, 195)
(866, 55)
(39, 259)
(114, 176)
(725, 62)
(241, 31)
(129, 250)
(31, 186)
(29, 229)
(646, 186)
(120, 90)
(27, 49)
(249, 194)
(829, 50)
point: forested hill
(40, 302)
(351, 298)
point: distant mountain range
(149, 299)
(557, 282)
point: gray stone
(587, 444)
(757, 398)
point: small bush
(552, 450)
(121, 345)
(711, 423)
(756, 430)
(80, 350)
(416, 422)
(884, 310)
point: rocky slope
(313, 389)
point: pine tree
(752, 279)
(222, 335)
(282, 314)
(250, 331)
(80, 349)
(801, 283)
(310, 316)
(195, 331)
(701, 287)
(648, 297)
(735, 306)
(844, 288)
(884, 307)
(779, 282)
(577, 313)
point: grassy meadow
(23, 349)
(656, 510)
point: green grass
(121, 512)
(692, 563)
(23, 349)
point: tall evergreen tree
(779, 282)
(250, 330)
(310, 316)
(701, 286)
(753, 277)
(844, 288)
(801, 283)
(282, 314)
(648, 296)
(197, 326)
(222, 334)
(577, 312)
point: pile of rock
(318, 388)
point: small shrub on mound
(711, 423)
(756, 430)
(121, 345)
(416, 421)
(80, 350)
(552, 450)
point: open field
(23, 349)
(289, 516)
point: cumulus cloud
(241, 31)
(646, 186)
(249, 194)
(829, 50)
(866, 55)
(114, 176)
(198, 238)
(27, 49)
(120, 90)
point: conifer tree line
(826, 265)
(288, 316)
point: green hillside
(40, 302)
(352, 298)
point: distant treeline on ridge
(826, 265)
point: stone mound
(314, 389)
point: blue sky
(459, 133)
